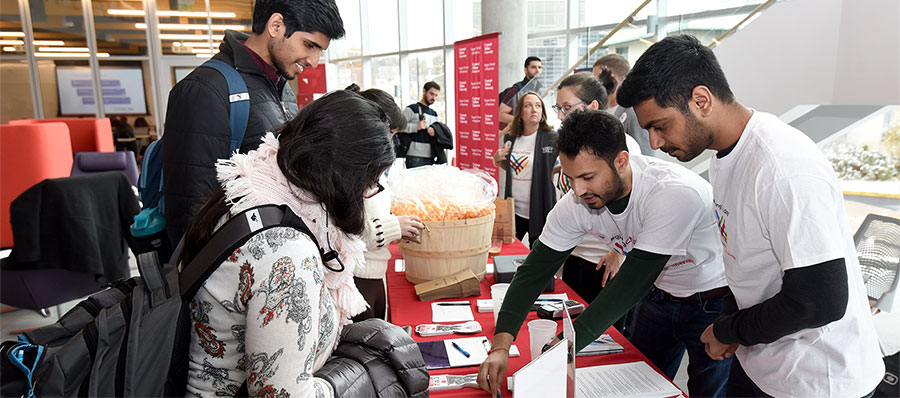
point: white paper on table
(545, 376)
(569, 334)
(451, 313)
(631, 380)
(399, 266)
(489, 268)
(476, 347)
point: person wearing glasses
(657, 216)
(528, 156)
(382, 227)
(271, 314)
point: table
(406, 309)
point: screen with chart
(123, 90)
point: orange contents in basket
(440, 210)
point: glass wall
(394, 45)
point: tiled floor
(857, 208)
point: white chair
(878, 247)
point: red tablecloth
(406, 309)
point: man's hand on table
(493, 369)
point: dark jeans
(415, 161)
(663, 329)
(522, 229)
(740, 385)
(373, 291)
(583, 277)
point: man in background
(508, 97)
(618, 67)
(426, 138)
(288, 36)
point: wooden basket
(448, 247)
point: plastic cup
(498, 292)
(540, 332)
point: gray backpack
(130, 339)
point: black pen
(466, 304)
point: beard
(610, 194)
(286, 70)
(429, 101)
(697, 137)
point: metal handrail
(597, 46)
(715, 42)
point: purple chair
(95, 162)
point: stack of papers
(603, 345)
(635, 379)
(451, 311)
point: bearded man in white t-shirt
(657, 218)
(798, 322)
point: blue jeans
(662, 329)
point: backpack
(149, 225)
(131, 339)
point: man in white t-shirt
(585, 270)
(658, 217)
(798, 321)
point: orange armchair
(29, 153)
(87, 134)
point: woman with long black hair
(271, 314)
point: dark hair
(334, 149)
(670, 70)
(517, 127)
(606, 78)
(388, 105)
(532, 58)
(615, 63)
(431, 85)
(303, 15)
(353, 87)
(595, 131)
(141, 122)
(587, 88)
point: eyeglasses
(566, 108)
(372, 191)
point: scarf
(254, 179)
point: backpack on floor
(149, 225)
(131, 339)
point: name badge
(547, 149)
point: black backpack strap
(234, 234)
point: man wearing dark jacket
(288, 36)
(426, 138)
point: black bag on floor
(132, 338)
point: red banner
(476, 102)
(310, 83)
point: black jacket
(75, 223)
(376, 359)
(543, 193)
(198, 133)
(442, 139)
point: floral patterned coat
(264, 317)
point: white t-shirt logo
(721, 217)
(623, 247)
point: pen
(460, 349)
(444, 304)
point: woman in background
(382, 227)
(528, 156)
